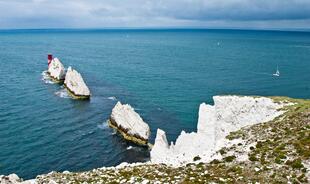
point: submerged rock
(228, 114)
(76, 85)
(132, 127)
(56, 70)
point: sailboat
(277, 74)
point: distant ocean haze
(163, 74)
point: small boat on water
(277, 74)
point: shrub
(215, 161)
(222, 151)
(253, 158)
(278, 160)
(296, 164)
(259, 144)
(230, 158)
(196, 158)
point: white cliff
(56, 69)
(75, 84)
(229, 113)
(129, 123)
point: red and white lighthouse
(49, 59)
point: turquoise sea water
(163, 74)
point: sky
(247, 14)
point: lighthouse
(49, 59)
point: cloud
(241, 10)
(150, 13)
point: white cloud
(150, 13)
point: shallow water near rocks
(163, 74)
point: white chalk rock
(125, 117)
(52, 182)
(161, 146)
(10, 179)
(228, 114)
(56, 69)
(32, 181)
(75, 83)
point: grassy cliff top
(273, 152)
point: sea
(163, 73)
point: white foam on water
(103, 126)
(302, 46)
(62, 93)
(46, 78)
(88, 133)
(129, 148)
(112, 98)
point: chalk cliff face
(75, 84)
(229, 113)
(129, 123)
(57, 70)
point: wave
(135, 148)
(46, 78)
(103, 126)
(261, 73)
(62, 93)
(88, 133)
(302, 46)
(112, 98)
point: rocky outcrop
(76, 85)
(131, 126)
(14, 179)
(56, 70)
(10, 179)
(161, 147)
(228, 114)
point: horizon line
(163, 28)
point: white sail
(277, 72)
